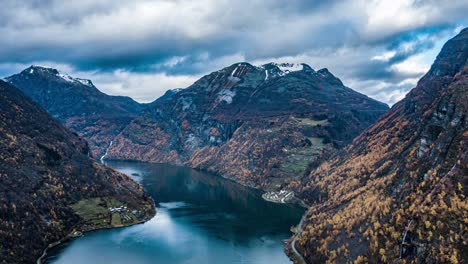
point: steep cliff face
(48, 182)
(398, 192)
(257, 125)
(78, 104)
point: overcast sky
(141, 48)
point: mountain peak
(244, 105)
(289, 67)
(325, 72)
(38, 154)
(452, 57)
(41, 69)
(237, 70)
(274, 69)
(451, 60)
(77, 103)
(286, 67)
(399, 170)
(54, 73)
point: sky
(141, 48)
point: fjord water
(201, 218)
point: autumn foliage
(402, 184)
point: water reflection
(201, 219)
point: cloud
(360, 41)
(143, 87)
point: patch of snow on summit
(289, 67)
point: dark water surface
(200, 218)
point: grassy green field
(116, 219)
(310, 122)
(298, 159)
(97, 214)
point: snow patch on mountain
(289, 67)
(234, 71)
(84, 81)
(186, 103)
(226, 96)
(233, 79)
(47, 70)
(68, 78)
(273, 69)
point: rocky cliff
(258, 125)
(78, 104)
(49, 187)
(398, 192)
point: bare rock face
(46, 176)
(398, 192)
(78, 104)
(260, 126)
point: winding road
(298, 257)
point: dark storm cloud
(190, 38)
(69, 32)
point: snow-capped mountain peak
(289, 67)
(42, 70)
(273, 69)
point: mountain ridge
(398, 192)
(48, 183)
(78, 104)
(303, 108)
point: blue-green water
(200, 218)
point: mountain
(49, 188)
(257, 125)
(398, 192)
(78, 104)
(166, 96)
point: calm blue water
(200, 218)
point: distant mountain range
(258, 125)
(78, 104)
(398, 192)
(261, 125)
(50, 188)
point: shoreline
(79, 233)
(294, 254)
